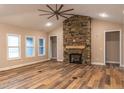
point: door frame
(50, 53)
(120, 45)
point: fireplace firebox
(76, 58)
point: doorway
(53, 45)
(112, 47)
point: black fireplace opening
(76, 58)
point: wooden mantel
(75, 47)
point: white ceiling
(27, 16)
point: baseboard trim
(121, 65)
(53, 58)
(59, 60)
(21, 65)
(96, 63)
(113, 62)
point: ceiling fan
(58, 12)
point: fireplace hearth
(76, 58)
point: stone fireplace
(77, 39)
(75, 58)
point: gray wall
(54, 46)
(113, 47)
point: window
(13, 47)
(41, 47)
(30, 46)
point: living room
(43, 45)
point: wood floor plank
(62, 75)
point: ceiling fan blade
(50, 8)
(44, 14)
(66, 10)
(60, 7)
(51, 16)
(44, 10)
(63, 16)
(57, 17)
(56, 7)
(66, 14)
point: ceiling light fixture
(103, 15)
(48, 24)
(123, 11)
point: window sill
(29, 56)
(41, 55)
(12, 59)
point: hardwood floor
(62, 75)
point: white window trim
(28, 47)
(16, 58)
(40, 46)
